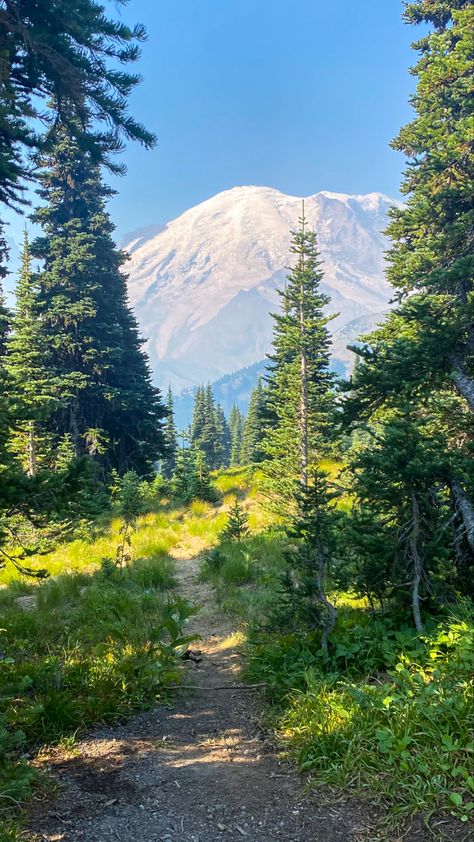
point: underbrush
(389, 714)
(244, 574)
(94, 642)
(86, 650)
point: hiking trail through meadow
(201, 770)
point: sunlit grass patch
(233, 481)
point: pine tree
(92, 347)
(300, 384)
(237, 527)
(201, 486)
(236, 424)
(223, 438)
(416, 372)
(204, 433)
(31, 382)
(183, 479)
(253, 431)
(300, 397)
(170, 438)
(59, 63)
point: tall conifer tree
(170, 438)
(300, 384)
(223, 438)
(31, 381)
(93, 349)
(236, 425)
(300, 395)
(416, 372)
(253, 431)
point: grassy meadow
(388, 715)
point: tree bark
(303, 419)
(464, 385)
(466, 510)
(414, 541)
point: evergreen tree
(415, 374)
(300, 384)
(25, 364)
(223, 438)
(170, 438)
(59, 62)
(237, 527)
(204, 433)
(201, 486)
(310, 553)
(433, 257)
(236, 424)
(301, 405)
(92, 348)
(253, 430)
(183, 479)
(4, 314)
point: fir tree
(416, 372)
(300, 384)
(309, 556)
(204, 434)
(92, 347)
(432, 257)
(236, 424)
(301, 404)
(170, 438)
(31, 382)
(237, 527)
(253, 430)
(4, 314)
(183, 479)
(59, 62)
(201, 485)
(223, 438)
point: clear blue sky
(298, 96)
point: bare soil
(199, 771)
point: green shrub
(391, 714)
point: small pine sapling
(128, 493)
(237, 528)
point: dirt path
(199, 771)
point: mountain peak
(203, 287)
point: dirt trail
(199, 771)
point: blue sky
(298, 96)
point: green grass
(92, 644)
(389, 716)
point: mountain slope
(203, 287)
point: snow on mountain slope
(204, 286)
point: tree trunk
(31, 447)
(466, 510)
(464, 385)
(414, 541)
(303, 419)
(304, 422)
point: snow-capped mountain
(203, 287)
